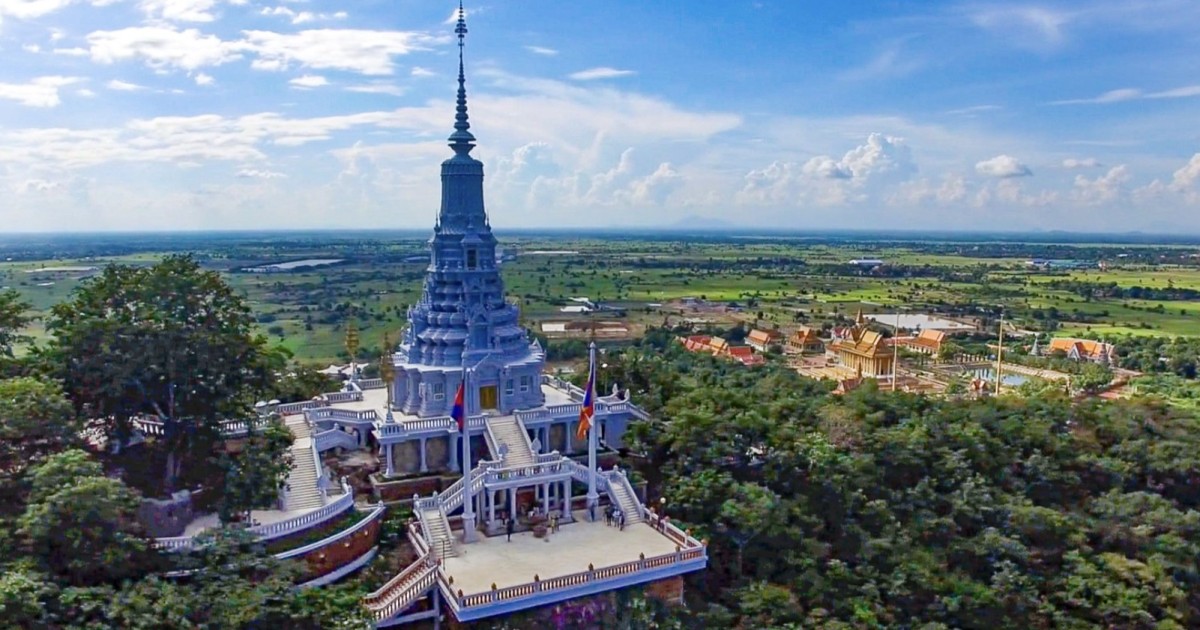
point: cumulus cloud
(301, 17)
(180, 10)
(363, 51)
(40, 92)
(823, 180)
(1104, 189)
(123, 86)
(1186, 177)
(204, 79)
(603, 72)
(254, 173)
(1081, 163)
(1003, 166)
(542, 50)
(161, 47)
(309, 81)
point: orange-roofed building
(745, 354)
(805, 341)
(1084, 350)
(863, 351)
(764, 340)
(928, 342)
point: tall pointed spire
(461, 140)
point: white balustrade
(275, 530)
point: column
(566, 501)
(512, 502)
(387, 449)
(453, 444)
(491, 499)
(545, 498)
(424, 468)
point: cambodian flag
(459, 410)
(589, 404)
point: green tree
(13, 319)
(36, 420)
(171, 341)
(254, 474)
(81, 526)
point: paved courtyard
(569, 551)
(260, 517)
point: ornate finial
(461, 140)
(387, 371)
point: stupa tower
(462, 320)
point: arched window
(472, 258)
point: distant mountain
(693, 222)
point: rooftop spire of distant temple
(461, 140)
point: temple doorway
(487, 397)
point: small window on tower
(471, 258)
(439, 391)
(526, 380)
(508, 387)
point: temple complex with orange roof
(862, 351)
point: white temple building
(519, 434)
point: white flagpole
(593, 498)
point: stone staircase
(303, 493)
(437, 532)
(507, 430)
(622, 495)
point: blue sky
(226, 114)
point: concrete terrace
(376, 400)
(576, 545)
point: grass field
(785, 281)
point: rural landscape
(767, 315)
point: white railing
(438, 423)
(339, 397)
(275, 530)
(575, 580)
(374, 515)
(229, 428)
(403, 590)
(371, 383)
(291, 409)
(334, 438)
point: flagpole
(593, 498)
(468, 499)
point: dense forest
(892, 510)
(869, 510)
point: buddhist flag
(459, 412)
(589, 404)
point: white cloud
(123, 86)
(204, 79)
(1003, 166)
(363, 51)
(180, 10)
(1023, 25)
(302, 17)
(39, 92)
(418, 71)
(1130, 94)
(254, 173)
(542, 50)
(1186, 177)
(1102, 190)
(84, 92)
(863, 172)
(602, 72)
(974, 109)
(161, 47)
(1081, 163)
(309, 81)
(26, 9)
(377, 87)
(31, 48)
